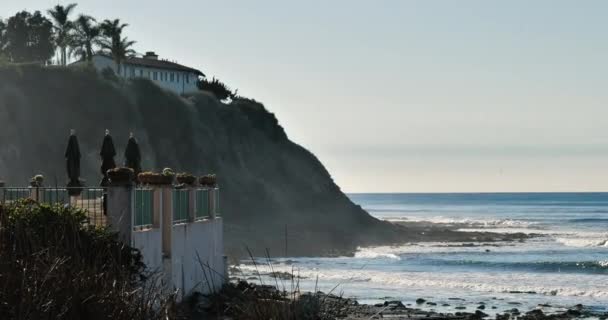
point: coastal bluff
(276, 195)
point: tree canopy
(87, 35)
(114, 44)
(28, 38)
(62, 26)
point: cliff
(275, 193)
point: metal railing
(144, 208)
(90, 200)
(207, 203)
(181, 205)
(202, 204)
(94, 203)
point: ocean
(566, 265)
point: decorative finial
(107, 132)
(72, 132)
(131, 135)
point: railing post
(166, 218)
(211, 203)
(121, 210)
(191, 204)
(157, 208)
(34, 193)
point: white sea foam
(438, 247)
(546, 284)
(469, 222)
(584, 240)
(372, 253)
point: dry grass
(54, 266)
(279, 299)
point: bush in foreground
(55, 266)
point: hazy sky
(406, 95)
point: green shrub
(53, 265)
(215, 86)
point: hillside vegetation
(275, 193)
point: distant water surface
(567, 265)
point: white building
(166, 74)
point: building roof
(154, 63)
(160, 64)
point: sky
(405, 96)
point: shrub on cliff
(53, 265)
(215, 86)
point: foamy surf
(544, 284)
(466, 222)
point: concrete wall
(149, 242)
(190, 242)
(190, 255)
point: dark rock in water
(431, 303)
(535, 314)
(379, 305)
(514, 311)
(446, 304)
(514, 302)
(544, 305)
(579, 306)
(493, 307)
(574, 313)
(395, 304)
(460, 308)
(420, 301)
(503, 316)
(480, 314)
(460, 299)
(481, 307)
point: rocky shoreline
(242, 300)
(417, 232)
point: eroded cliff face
(275, 194)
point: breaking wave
(579, 285)
(468, 222)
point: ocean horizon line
(475, 192)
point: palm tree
(87, 34)
(117, 46)
(62, 26)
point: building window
(177, 77)
(141, 73)
(172, 77)
(155, 75)
(187, 78)
(132, 72)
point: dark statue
(108, 152)
(133, 155)
(72, 157)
